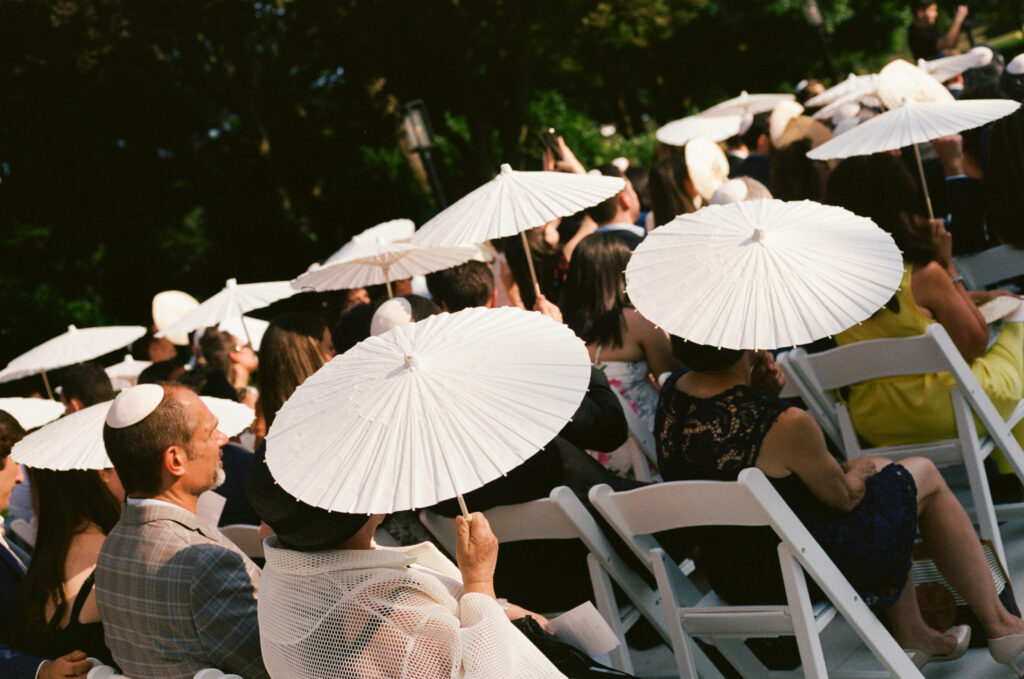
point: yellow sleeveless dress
(917, 408)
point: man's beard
(219, 478)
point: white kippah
(133, 405)
(391, 313)
(732, 191)
(1016, 65)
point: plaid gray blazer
(176, 596)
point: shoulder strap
(83, 594)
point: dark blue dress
(716, 438)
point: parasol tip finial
(411, 362)
(506, 168)
(231, 283)
(758, 236)
(72, 328)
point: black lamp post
(813, 14)
(420, 138)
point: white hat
(1016, 65)
(169, 307)
(739, 189)
(706, 165)
(133, 405)
(783, 112)
(394, 312)
(848, 110)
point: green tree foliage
(175, 143)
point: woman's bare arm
(653, 341)
(796, 445)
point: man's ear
(174, 461)
(624, 201)
(493, 301)
(76, 404)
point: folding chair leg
(802, 612)
(604, 595)
(985, 513)
(682, 645)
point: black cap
(298, 526)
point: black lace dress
(716, 438)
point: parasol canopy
(383, 262)
(125, 373)
(714, 128)
(32, 412)
(913, 123)
(231, 302)
(396, 230)
(513, 202)
(428, 410)
(75, 441)
(74, 346)
(763, 274)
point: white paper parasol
(900, 80)
(746, 104)
(76, 440)
(944, 68)
(231, 302)
(715, 128)
(513, 202)
(397, 230)
(383, 262)
(74, 346)
(860, 98)
(126, 373)
(428, 411)
(911, 124)
(32, 412)
(853, 83)
(254, 328)
(763, 274)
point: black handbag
(568, 659)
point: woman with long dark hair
(625, 345)
(57, 609)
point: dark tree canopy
(158, 144)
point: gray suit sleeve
(224, 611)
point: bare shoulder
(794, 425)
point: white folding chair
(246, 537)
(25, 531)
(819, 377)
(214, 673)
(750, 501)
(640, 444)
(101, 671)
(562, 516)
(990, 266)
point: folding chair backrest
(749, 501)
(24, 530)
(536, 520)
(561, 516)
(246, 537)
(990, 266)
(641, 441)
(819, 377)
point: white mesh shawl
(387, 612)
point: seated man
(175, 595)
